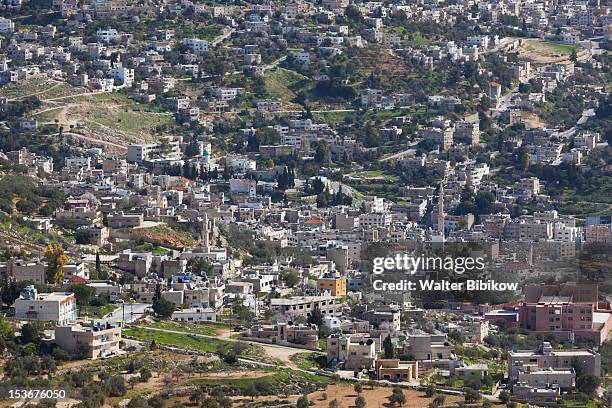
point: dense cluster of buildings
(212, 227)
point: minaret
(441, 209)
(205, 241)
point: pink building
(566, 311)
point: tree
(388, 347)
(136, 402)
(360, 402)
(524, 87)
(322, 200)
(286, 179)
(199, 266)
(290, 278)
(251, 391)
(157, 401)
(209, 403)
(587, 383)
(302, 402)
(358, 388)
(56, 259)
(164, 146)
(439, 399)
(397, 397)
(574, 56)
(9, 290)
(31, 332)
(83, 293)
(321, 152)
(163, 308)
(471, 395)
(316, 316)
(98, 264)
(430, 391)
(525, 159)
(243, 312)
(145, 374)
(115, 386)
(133, 381)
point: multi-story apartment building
(6, 25)
(427, 347)
(567, 311)
(196, 45)
(547, 357)
(123, 74)
(58, 307)
(350, 353)
(304, 305)
(108, 35)
(375, 220)
(334, 283)
(89, 341)
(443, 137)
(143, 152)
(598, 233)
(467, 132)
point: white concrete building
(195, 314)
(6, 25)
(108, 35)
(124, 75)
(196, 45)
(58, 307)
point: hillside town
(329, 203)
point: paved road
(219, 39)
(586, 114)
(275, 63)
(132, 312)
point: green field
(285, 84)
(191, 342)
(332, 118)
(548, 49)
(375, 175)
(205, 329)
(111, 115)
(308, 361)
(26, 88)
(558, 48)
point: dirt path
(73, 96)
(55, 85)
(97, 142)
